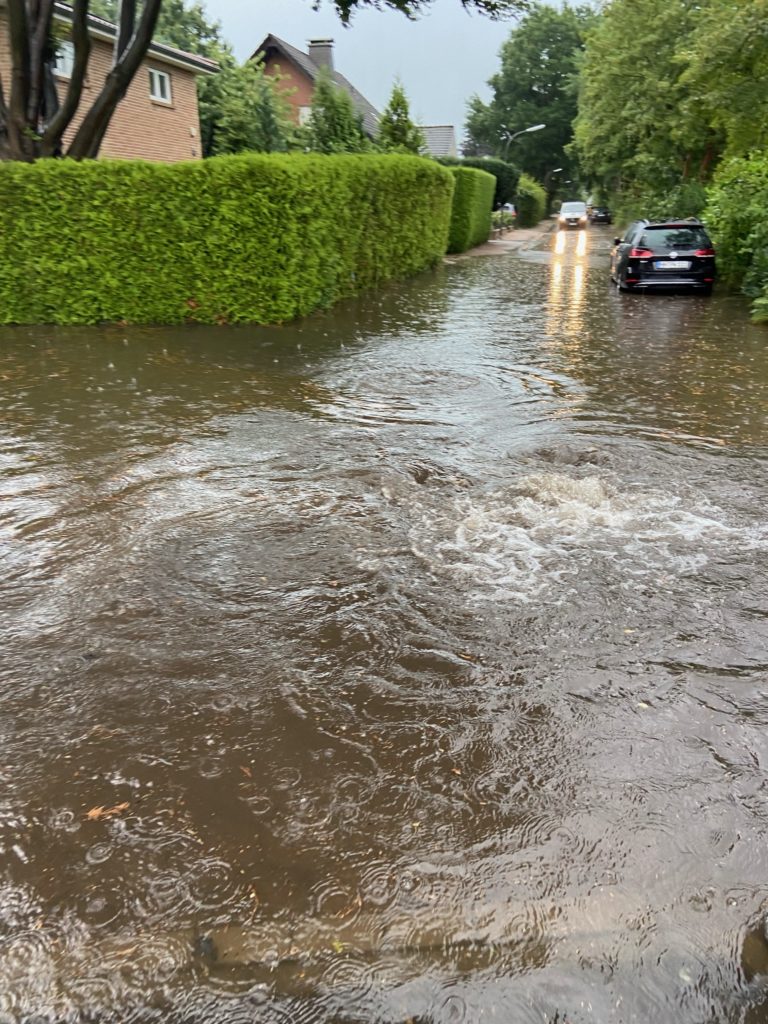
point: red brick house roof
(274, 47)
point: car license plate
(672, 265)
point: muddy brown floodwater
(409, 663)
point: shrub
(506, 175)
(261, 238)
(737, 217)
(530, 202)
(472, 203)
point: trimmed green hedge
(472, 205)
(506, 175)
(259, 238)
(531, 202)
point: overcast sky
(442, 59)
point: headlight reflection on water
(567, 281)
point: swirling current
(405, 664)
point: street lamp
(512, 137)
(547, 182)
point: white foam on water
(549, 528)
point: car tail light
(704, 252)
(640, 254)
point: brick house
(298, 72)
(158, 117)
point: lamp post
(547, 180)
(510, 137)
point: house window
(65, 60)
(160, 86)
(304, 114)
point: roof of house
(106, 30)
(440, 139)
(303, 60)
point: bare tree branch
(81, 41)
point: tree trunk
(32, 120)
(90, 134)
(20, 135)
(50, 144)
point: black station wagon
(667, 254)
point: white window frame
(65, 59)
(160, 86)
(304, 115)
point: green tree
(725, 61)
(251, 113)
(640, 129)
(334, 125)
(396, 129)
(536, 85)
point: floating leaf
(96, 813)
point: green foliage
(180, 24)
(725, 69)
(494, 8)
(686, 199)
(397, 132)
(334, 125)
(536, 85)
(252, 114)
(472, 205)
(530, 202)
(642, 128)
(230, 239)
(505, 174)
(736, 217)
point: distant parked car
(600, 215)
(572, 215)
(509, 208)
(674, 253)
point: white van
(572, 215)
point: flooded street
(407, 664)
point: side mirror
(617, 241)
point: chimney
(321, 52)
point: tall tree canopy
(536, 85)
(34, 117)
(641, 126)
(726, 71)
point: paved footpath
(509, 241)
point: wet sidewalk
(511, 240)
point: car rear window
(573, 208)
(680, 237)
